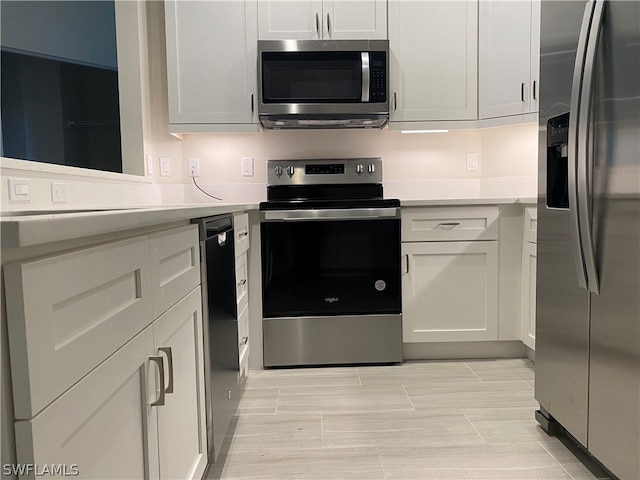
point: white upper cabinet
(433, 60)
(211, 65)
(318, 19)
(509, 33)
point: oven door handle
(330, 214)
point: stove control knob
(278, 171)
(359, 169)
(290, 171)
(372, 168)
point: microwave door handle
(366, 77)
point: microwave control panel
(378, 88)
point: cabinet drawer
(175, 266)
(531, 224)
(69, 313)
(243, 340)
(242, 281)
(421, 224)
(241, 229)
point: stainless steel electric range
(330, 243)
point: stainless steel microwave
(323, 83)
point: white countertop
(24, 229)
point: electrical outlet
(193, 167)
(165, 167)
(472, 162)
(247, 166)
(59, 192)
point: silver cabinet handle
(573, 139)
(395, 101)
(167, 352)
(242, 282)
(317, 25)
(243, 234)
(406, 265)
(522, 85)
(244, 340)
(252, 103)
(329, 23)
(159, 361)
(448, 225)
(585, 149)
(366, 76)
(535, 93)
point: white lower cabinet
(103, 427)
(529, 274)
(450, 291)
(127, 400)
(241, 228)
(181, 420)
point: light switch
(165, 167)
(19, 191)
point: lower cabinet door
(104, 426)
(528, 302)
(181, 421)
(450, 291)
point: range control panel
(324, 172)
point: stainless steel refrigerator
(588, 284)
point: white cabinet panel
(211, 62)
(433, 60)
(509, 45)
(318, 19)
(175, 265)
(290, 19)
(348, 19)
(105, 425)
(181, 421)
(528, 298)
(450, 291)
(69, 313)
(241, 231)
(530, 224)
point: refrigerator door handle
(573, 143)
(586, 150)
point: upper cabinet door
(211, 62)
(433, 60)
(505, 86)
(317, 19)
(535, 55)
(360, 19)
(290, 19)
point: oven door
(324, 262)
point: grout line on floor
(359, 379)
(277, 401)
(408, 397)
(322, 430)
(384, 475)
(474, 427)
(556, 460)
(474, 372)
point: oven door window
(316, 77)
(312, 268)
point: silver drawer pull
(243, 234)
(448, 225)
(167, 352)
(242, 282)
(244, 341)
(159, 361)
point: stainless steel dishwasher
(220, 318)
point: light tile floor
(420, 420)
